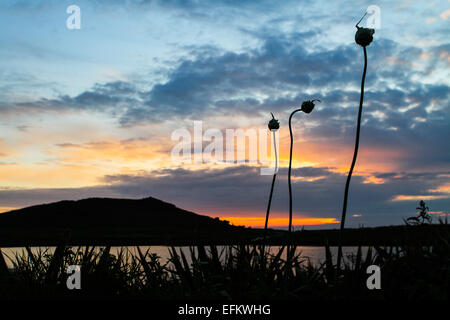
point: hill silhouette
(112, 221)
(105, 212)
(149, 221)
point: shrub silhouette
(424, 216)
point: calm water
(315, 254)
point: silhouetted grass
(235, 272)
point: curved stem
(355, 154)
(289, 181)
(271, 189)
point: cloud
(241, 191)
(270, 78)
(407, 121)
(445, 15)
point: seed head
(308, 105)
(364, 36)
(274, 124)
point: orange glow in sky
(258, 222)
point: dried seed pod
(274, 124)
(364, 36)
(308, 106)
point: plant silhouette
(274, 125)
(424, 216)
(307, 107)
(363, 37)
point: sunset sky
(90, 112)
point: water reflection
(315, 255)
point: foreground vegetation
(236, 272)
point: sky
(90, 112)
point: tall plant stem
(355, 154)
(271, 190)
(289, 183)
